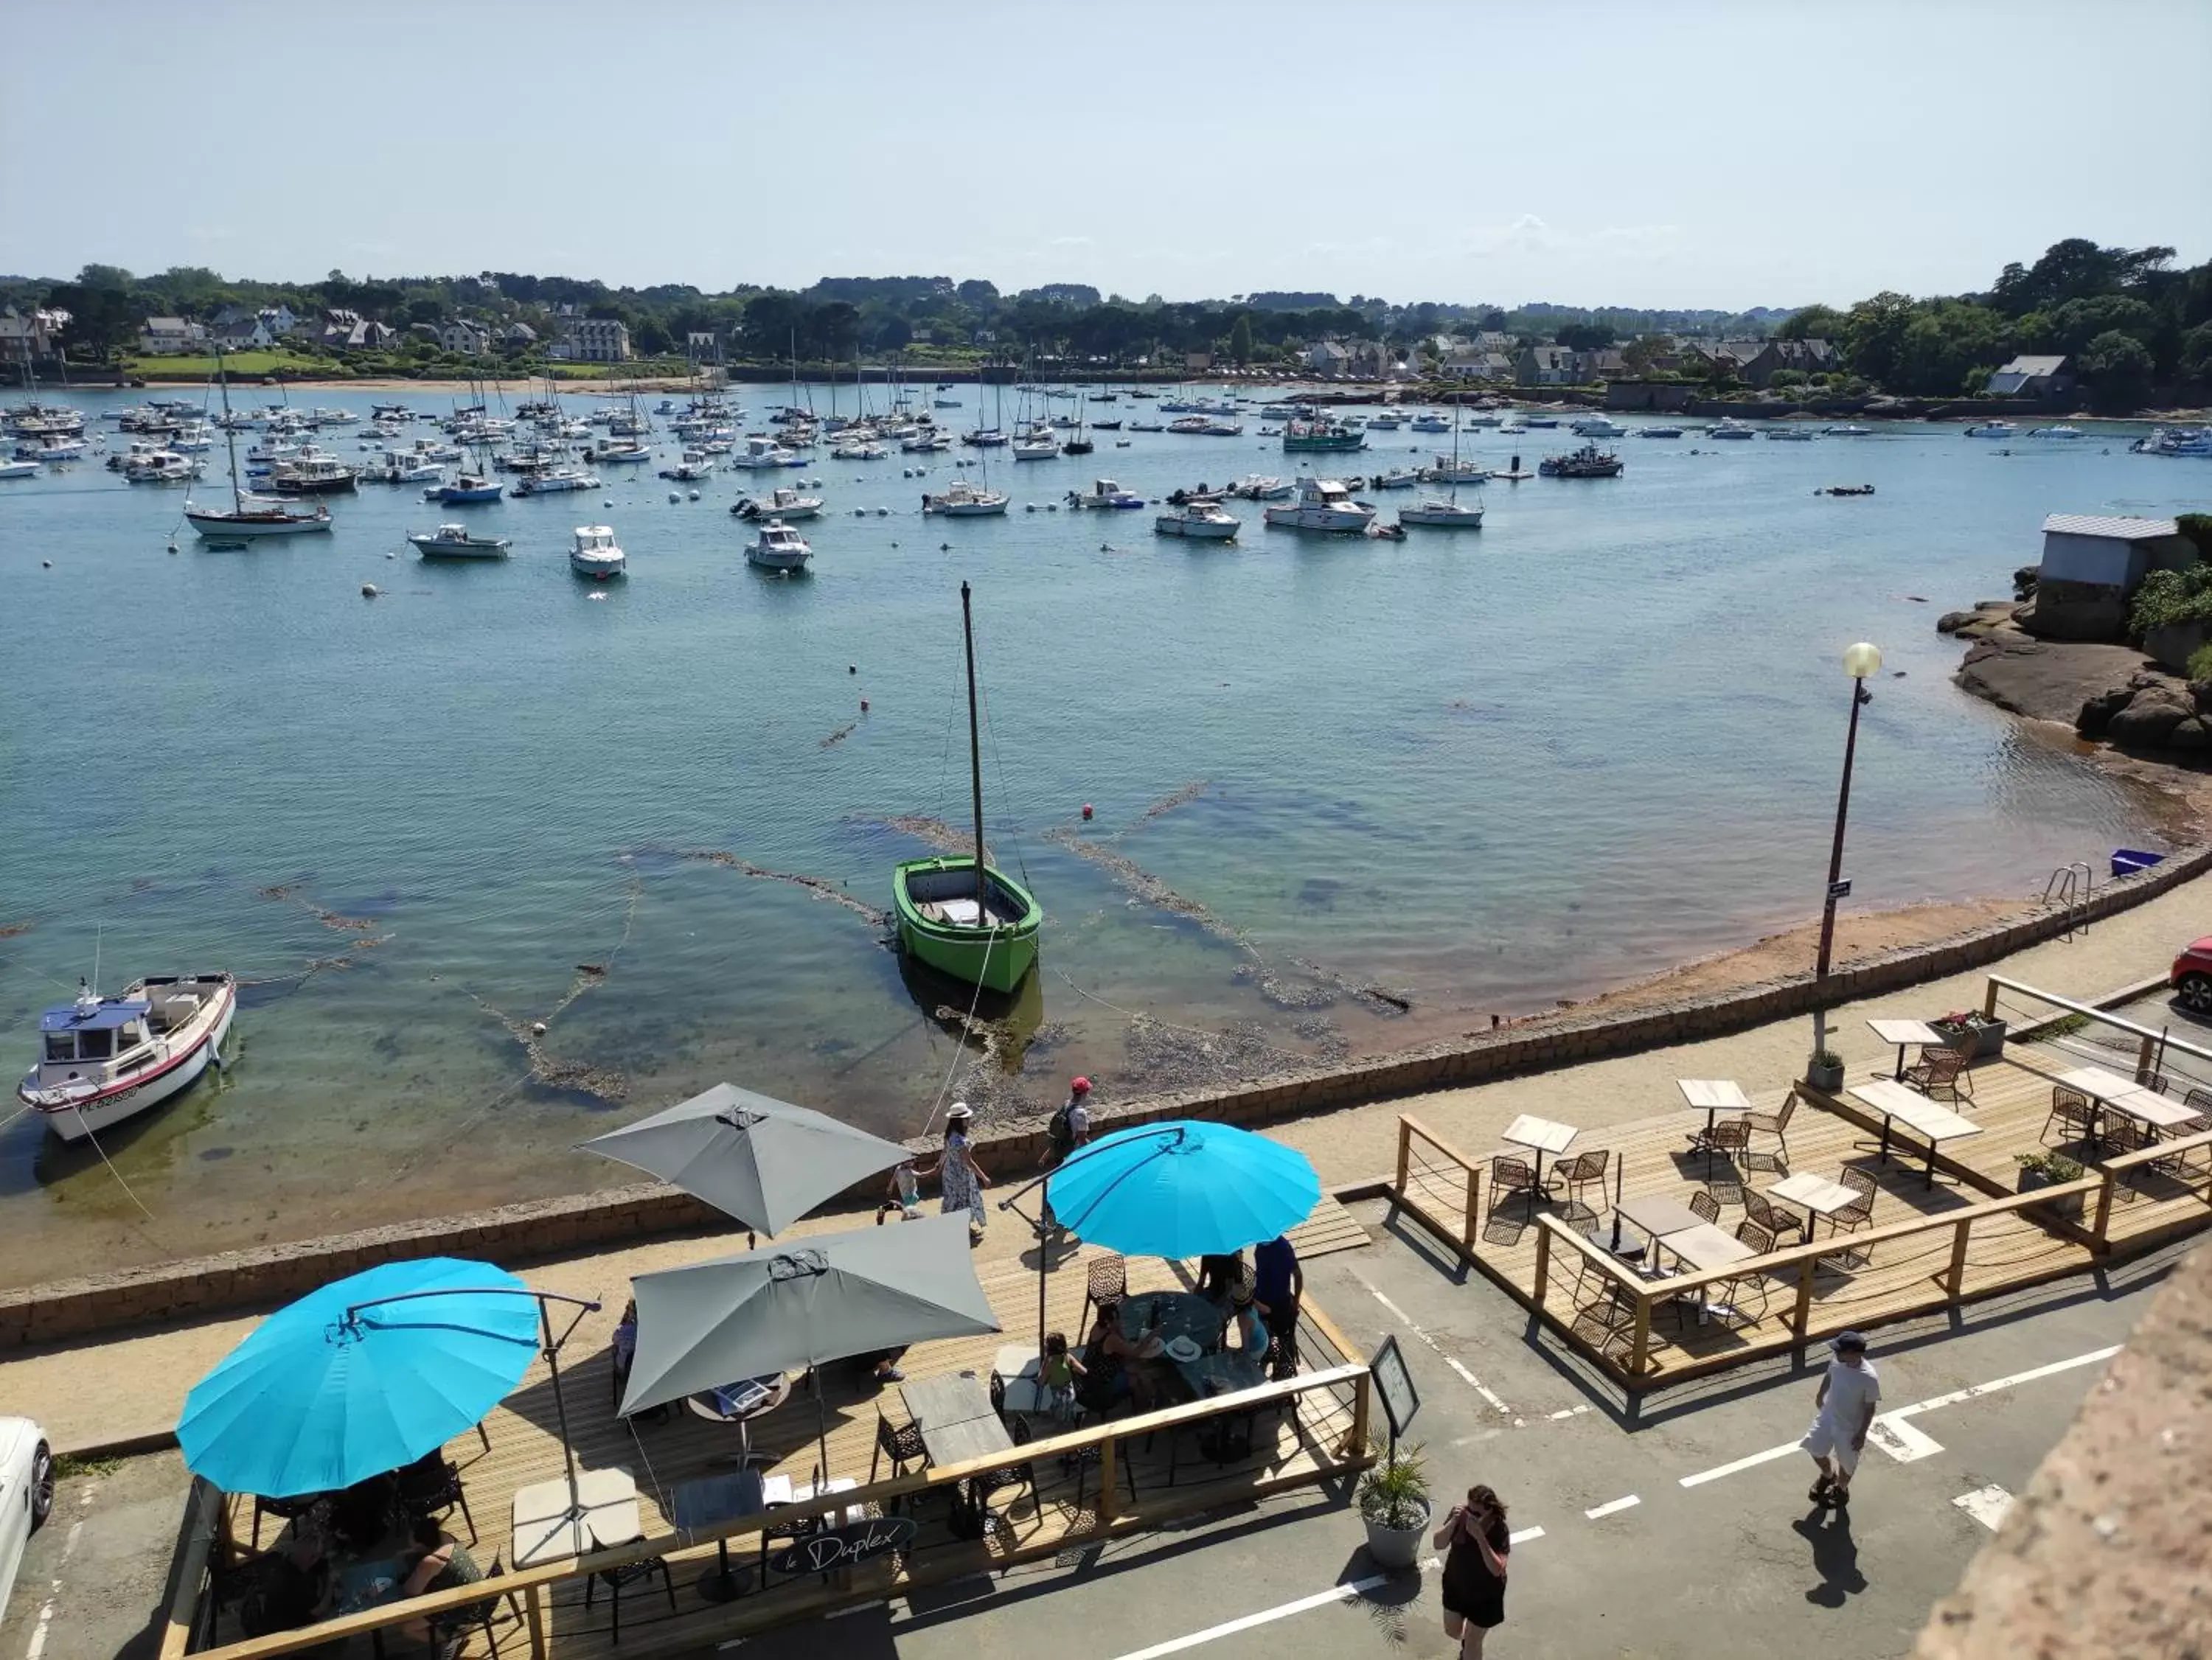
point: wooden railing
(534, 1586)
(1461, 1171)
(2150, 1046)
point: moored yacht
(456, 542)
(555, 480)
(595, 555)
(961, 499)
(779, 503)
(1322, 504)
(778, 547)
(104, 1059)
(1103, 493)
(761, 454)
(1200, 520)
(1596, 426)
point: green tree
(1240, 338)
(2118, 368)
(1813, 322)
(1641, 352)
(1586, 336)
(2196, 356)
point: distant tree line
(2134, 327)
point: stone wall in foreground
(518, 1233)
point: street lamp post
(1861, 662)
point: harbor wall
(515, 1234)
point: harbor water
(1476, 771)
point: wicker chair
(1708, 1208)
(2073, 1115)
(1853, 1217)
(1941, 1074)
(1607, 1322)
(1579, 1171)
(1777, 1222)
(1509, 1176)
(1736, 1295)
(1731, 1136)
(1775, 1124)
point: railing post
(1801, 1316)
(1473, 1226)
(1543, 1259)
(1405, 1151)
(533, 1604)
(1107, 1475)
(2143, 1057)
(1639, 1342)
(2104, 1206)
(1990, 996)
(1957, 1277)
(1361, 1415)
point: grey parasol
(785, 1307)
(765, 1161)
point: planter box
(1828, 1080)
(2068, 1208)
(1981, 1042)
(1395, 1550)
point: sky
(1696, 152)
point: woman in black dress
(1475, 1571)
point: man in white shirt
(1843, 1413)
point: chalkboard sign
(1394, 1385)
(845, 1547)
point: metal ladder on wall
(2068, 890)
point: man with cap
(1843, 1413)
(1068, 1130)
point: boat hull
(127, 1099)
(1197, 529)
(998, 957)
(431, 547)
(225, 526)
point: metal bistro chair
(1510, 1175)
(2073, 1115)
(1853, 1217)
(1015, 1475)
(1941, 1074)
(2201, 1100)
(641, 1571)
(1106, 1281)
(431, 1487)
(902, 1444)
(487, 1616)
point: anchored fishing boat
(1303, 436)
(954, 912)
(595, 555)
(1200, 520)
(103, 1060)
(1322, 504)
(1589, 462)
(455, 542)
(778, 547)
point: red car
(2191, 979)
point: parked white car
(26, 1493)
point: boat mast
(974, 758)
(229, 435)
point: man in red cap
(1069, 1129)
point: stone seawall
(519, 1234)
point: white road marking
(1893, 1420)
(1989, 1505)
(1900, 1440)
(1451, 1360)
(1319, 1599)
(1609, 1508)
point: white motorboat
(852, 450)
(780, 503)
(160, 467)
(926, 443)
(1993, 429)
(595, 555)
(695, 466)
(1200, 520)
(1038, 442)
(1730, 428)
(52, 447)
(1443, 514)
(1404, 478)
(1322, 504)
(1847, 430)
(403, 467)
(311, 474)
(1257, 486)
(1103, 493)
(1449, 469)
(618, 451)
(985, 438)
(1431, 423)
(1596, 426)
(2061, 431)
(778, 547)
(961, 499)
(19, 470)
(1790, 434)
(763, 454)
(456, 542)
(103, 1060)
(555, 480)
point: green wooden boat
(956, 913)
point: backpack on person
(1060, 1133)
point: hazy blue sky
(1646, 154)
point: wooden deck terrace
(1970, 1235)
(1090, 1485)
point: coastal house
(242, 334)
(1476, 363)
(1604, 363)
(280, 319)
(1329, 357)
(592, 340)
(1546, 365)
(466, 338)
(171, 336)
(2091, 565)
(518, 335)
(1808, 357)
(34, 334)
(2030, 377)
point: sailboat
(249, 515)
(1080, 445)
(1446, 512)
(954, 912)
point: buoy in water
(391, 556)
(695, 495)
(1086, 810)
(851, 668)
(368, 590)
(537, 1029)
(172, 545)
(864, 705)
(675, 495)
(883, 512)
(45, 564)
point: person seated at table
(365, 1515)
(1244, 1319)
(1058, 1373)
(1131, 1364)
(437, 1561)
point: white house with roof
(2093, 563)
(2030, 377)
(466, 338)
(171, 336)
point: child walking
(1061, 1372)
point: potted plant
(2043, 1168)
(1394, 1502)
(1824, 1070)
(1981, 1036)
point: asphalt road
(93, 1580)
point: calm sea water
(1486, 770)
